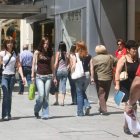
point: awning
(20, 11)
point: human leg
(45, 109)
(79, 83)
(28, 76)
(21, 86)
(41, 91)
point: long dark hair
(63, 49)
(10, 39)
(41, 48)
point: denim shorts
(61, 75)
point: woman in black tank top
(132, 66)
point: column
(131, 20)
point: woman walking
(82, 82)
(61, 62)
(71, 81)
(10, 62)
(103, 75)
(45, 58)
(132, 64)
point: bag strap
(8, 60)
(125, 64)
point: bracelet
(32, 76)
(131, 106)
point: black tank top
(131, 69)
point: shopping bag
(52, 89)
(31, 95)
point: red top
(123, 52)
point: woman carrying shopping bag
(82, 68)
(10, 62)
(45, 57)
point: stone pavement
(63, 123)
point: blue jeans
(81, 86)
(61, 75)
(43, 86)
(7, 87)
(27, 74)
(73, 89)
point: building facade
(93, 21)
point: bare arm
(92, 71)
(0, 60)
(73, 64)
(53, 70)
(18, 65)
(34, 63)
(120, 65)
(56, 60)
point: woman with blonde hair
(45, 58)
(82, 83)
(103, 75)
(10, 62)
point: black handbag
(52, 89)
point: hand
(23, 81)
(92, 81)
(33, 79)
(55, 81)
(130, 112)
(117, 88)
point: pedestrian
(132, 63)
(61, 63)
(26, 59)
(44, 57)
(71, 81)
(10, 62)
(82, 82)
(122, 50)
(103, 75)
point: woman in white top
(60, 66)
(10, 62)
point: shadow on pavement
(55, 117)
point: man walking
(26, 59)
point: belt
(10, 75)
(43, 76)
(27, 66)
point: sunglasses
(119, 44)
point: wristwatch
(131, 106)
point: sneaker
(6, 118)
(56, 103)
(87, 110)
(46, 118)
(36, 115)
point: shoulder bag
(78, 72)
(124, 74)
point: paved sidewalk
(63, 124)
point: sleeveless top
(62, 64)
(131, 69)
(43, 64)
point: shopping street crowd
(79, 67)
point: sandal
(135, 134)
(126, 130)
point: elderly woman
(103, 75)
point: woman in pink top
(122, 50)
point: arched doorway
(14, 31)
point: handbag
(52, 89)
(113, 72)
(78, 72)
(31, 94)
(124, 74)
